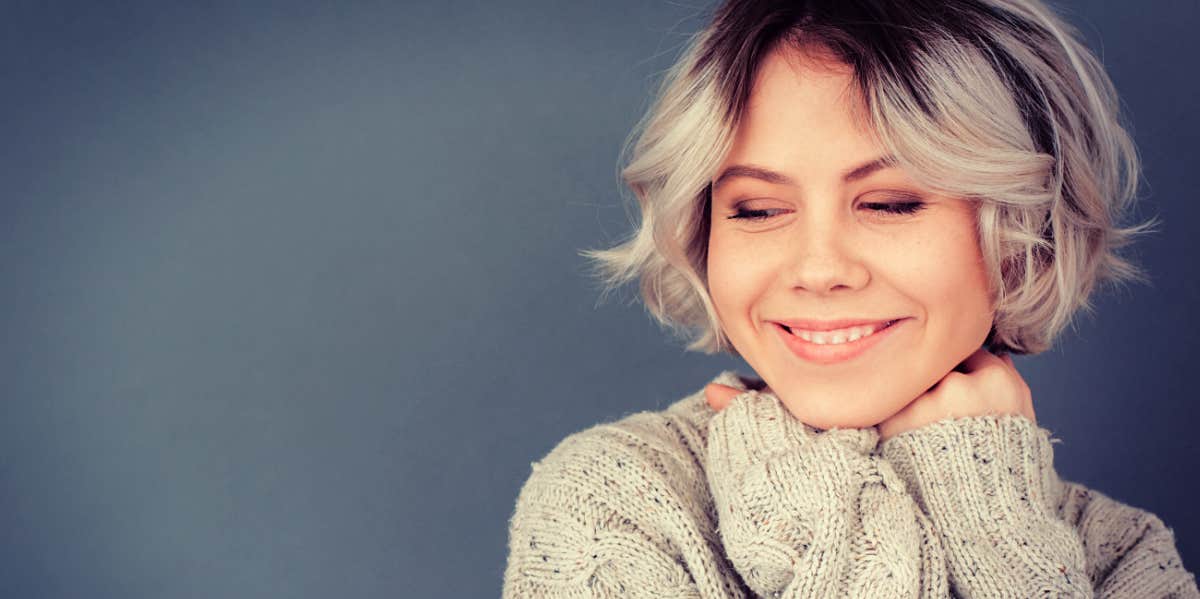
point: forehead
(812, 74)
(803, 110)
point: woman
(874, 204)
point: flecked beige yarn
(750, 502)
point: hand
(719, 396)
(982, 384)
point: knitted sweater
(749, 501)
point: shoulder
(645, 449)
(1103, 518)
(1117, 537)
(627, 465)
(628, 496)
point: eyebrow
(777, 178)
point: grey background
(292, 295)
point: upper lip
(829, 325)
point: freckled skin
(824, 255)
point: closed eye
(744, 214)
(890, 208)
(895, 207)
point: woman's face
(827, 248)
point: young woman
(873, 203)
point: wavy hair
(995, 101)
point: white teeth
(838, 336)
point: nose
(826, 255)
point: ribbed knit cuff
(755, 427)
(977, 466)
(763, 419)
(989, 487)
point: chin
(849, 421)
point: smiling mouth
(839, 336)
(826, 348)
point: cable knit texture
(751, 502)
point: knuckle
(953, 381)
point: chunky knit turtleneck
(749, 501)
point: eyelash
(890, 208)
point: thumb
(719, 395)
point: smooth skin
(812, 241)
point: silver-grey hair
(995, 101)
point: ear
(719, 395)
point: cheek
(721, 271)
(966, 272)
(957, 293)
(734, 276)
(945, 262)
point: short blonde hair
(995, 101)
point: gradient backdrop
(292, 298)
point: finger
(896, 422)
(978, 360)
(1029, 411)
(718, 396)
(1027, 399)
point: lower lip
(833, 353)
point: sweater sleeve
(806, 513)
(988, 485)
